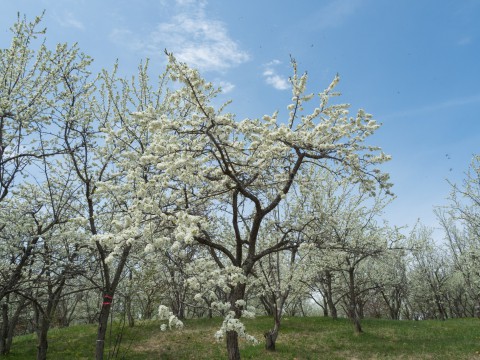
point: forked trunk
(329, 295)
(357, 325)
(353, 312)
(271, 338)
(272, 335)
(8, 324)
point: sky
(413, 64)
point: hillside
(300, 338)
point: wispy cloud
(126, 38)
(192, 36)
(464, 41)
(273, 78)
(69, 20)
(226, 86)
(191, 3)
(336, 12)
(456, 102)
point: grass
(300, 338)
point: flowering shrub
(164, 313)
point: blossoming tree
(460, 221)
(33, 102)
(345, 232)
(242, 170)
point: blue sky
(413, 64)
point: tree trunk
(109, 292)
(393, 304)
(267, 305)
(8, 326)
(300, 305)
(237, 293)
(42, 339)
(353, 313)
(270, 339)
(357, 325)
(360, 309)
(102, 329)
(325, 307)
(130, 317)
(12, 325)
(232, 346)
(271, 335)
(128, 310)
(128, 302)
(4, 330)
(329, 295)
(441, 310)
(333, 310)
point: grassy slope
(300, 338)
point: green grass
(300, 338)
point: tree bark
(109, 292)
(233, 350)
(232, 346)
(4, 330)
(44, 319)
(353, 313)
(329, 295)
(102, 327)
(272, 335)
(9, 324)
(270, 339)
(13, 324)
(333, 309)
(128, 302)
(267, 305)
(130, 317)
(325, 307)
(441, 310)
(42, 333)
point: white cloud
(200, 42)
(273, 78)
(191, 36)
(273, 62)
(226, 86)
(68, 20)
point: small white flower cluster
(220, 306)
(174, 322)
(149, 248)
(230, 323)
(187, 227)
(248, 312)
(164, 313)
